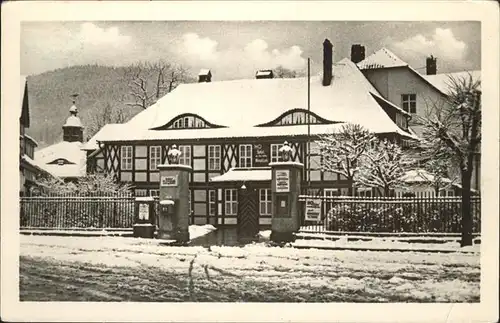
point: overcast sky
(236, 49)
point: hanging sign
(261, 155)
(169, 180)
(313, 209)
(282, 180)
(143, 211)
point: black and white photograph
(275, 160)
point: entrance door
(248, 214)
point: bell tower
(73, 128)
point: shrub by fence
(77, 211)
(422, 215)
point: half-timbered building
(229, 132)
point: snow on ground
(196, 231)
(329, 275)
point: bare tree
(98, 118)
(440, 177)
(282, 72)
(91, 183)
(148, 82)
(383, 166)
(454, 129)
(341, 152)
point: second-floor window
(245, 156)
(409, 102)
(154, 157)
(126, 158)
(275, 154)
(214, 157)
(185, 158)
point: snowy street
(129, 269)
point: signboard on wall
(143, 211)
(282, 180)
(313, 210)
(261, 155)
(168, 180)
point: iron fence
(90, 210)
(398, 214)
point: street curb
(386, 250)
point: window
(154, 193)
(365, 192)
(231, 203)
(212, 202)
(185, 158)
(409, 102)
(126, 158)
(265, 201)
(214, 156)
(275, 154)
(245, 156)
(140, 192)
(154, 157)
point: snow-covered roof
(264, 73)
(26, 136)
(382, 58)
(241, 105)
(255, 174)
(73, 121)
(70, 151)
(23, 86)
(107, 131)
(420, 176)
(443, 81)
(36, 164)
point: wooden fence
(94, 210)
(400, 214)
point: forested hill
(49, 97)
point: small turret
(73, 128)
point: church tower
(73, 128)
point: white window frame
(126, 159)
(362, 192)
(154, 157)
(154, 192)
(184, 159)
(275, 154)
(231, 201)
(212, 202)
(245, 161)
(140, 192)
(408, 99)
(265, 204)
(214, 157)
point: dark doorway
(248, 214)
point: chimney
(431, 65)
(327, 62)
(264, 74)
(204, 76)
(357, 53)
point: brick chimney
(204, 76)
(431, 65)
(357, 53)
(264, 74)
(327, 62)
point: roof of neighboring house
(70, 151)
(255, 174)
(443, 81)
(26, 136)
(34, 164)
(241, 105)
(107, 131)
(420, 176)
(24, 104)
(384, 58)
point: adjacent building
(66, 159)
(30, 171)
